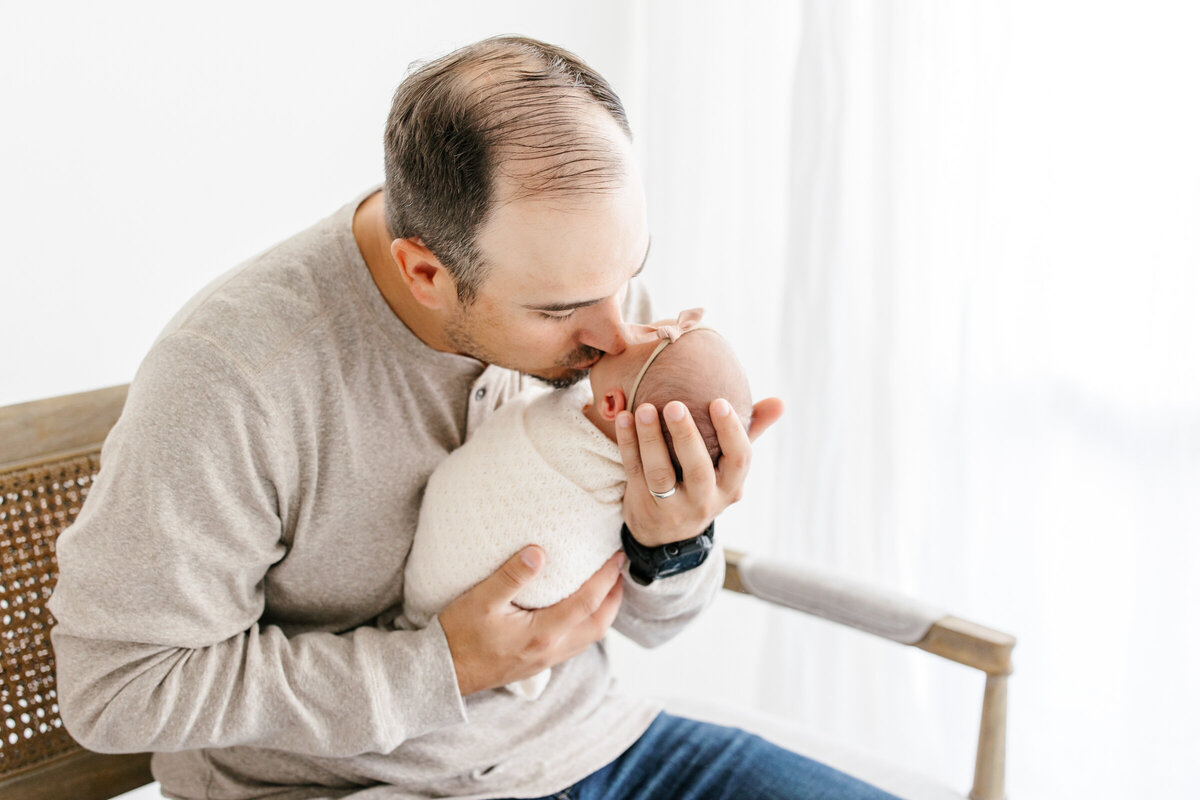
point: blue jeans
(683, 759)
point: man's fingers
(627, 441)
(656, 463)
(766, 413)
(587, 600)
(504, 584)
(735, 448)
(593, 629)
(689, 446)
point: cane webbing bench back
(35, 506)
(43, 483)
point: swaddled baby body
(545, 469)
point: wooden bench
(49, 455)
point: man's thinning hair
(507, 108)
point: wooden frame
(44, 429)
(82, 775)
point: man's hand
(494, 642)
(704, 492)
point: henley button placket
(481, 392)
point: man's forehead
(566, 294)
(543, 249)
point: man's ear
(612, 404)
(425, 276)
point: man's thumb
(518, 571)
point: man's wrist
(647, 564)
(666, 538)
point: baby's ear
(612, 404)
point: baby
(545, 469)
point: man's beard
(458, 336)
(586, 354)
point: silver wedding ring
(662, 495)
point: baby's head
(696, 368)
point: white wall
(148, 147)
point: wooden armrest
(901, 619)
(968, 643)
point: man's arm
(158, 639)
(320, 694)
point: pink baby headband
(688, 321)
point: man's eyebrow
(586, 303)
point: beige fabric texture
(537, 472)
(255, 507)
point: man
(222, 591)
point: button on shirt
(493, 386)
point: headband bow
(689, 320)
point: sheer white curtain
(961, 241)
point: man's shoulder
(264, 306)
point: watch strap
(648, 564)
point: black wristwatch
(648, 564)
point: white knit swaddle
(537, 472)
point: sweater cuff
(418, 687)
(677, 593)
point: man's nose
(607, 330)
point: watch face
(681, 564)
(687, 555)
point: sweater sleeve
(651, 615)
(158, 641)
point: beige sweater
(255, 507)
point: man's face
(550, 304)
